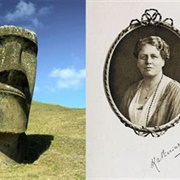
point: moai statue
(18, 51)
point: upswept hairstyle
(156, 41)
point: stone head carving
(18, 51)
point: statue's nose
(11, 59)
(12, 75)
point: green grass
(56, 145)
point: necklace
(147, 118)
(148, 94)
(149, 91)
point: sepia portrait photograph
(133, 89)
(142, 72)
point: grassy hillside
(57, 145)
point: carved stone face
(18, 51)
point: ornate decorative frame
(151, 21)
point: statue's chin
(13, 113)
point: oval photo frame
(120, 69)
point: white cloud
(68, 78)
(27, 13)
(36, 23)
(22, 10)
(44, 11)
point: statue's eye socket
(1, 41)
(29, 47)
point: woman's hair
(156, 41)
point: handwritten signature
(163, 155)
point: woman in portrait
(155, 100)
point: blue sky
(60, 29)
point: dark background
(123, 71)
